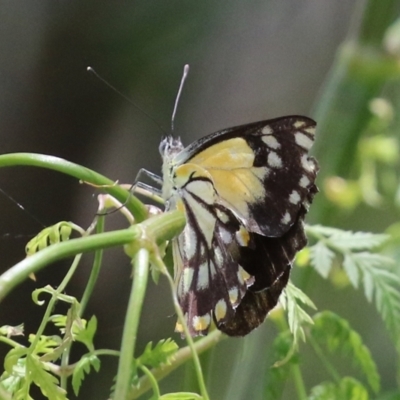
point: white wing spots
(222, 216)
(204, 218)
(307, 164)
(242, 236)
(274, 160)
(286, 218)
(213, 271)
(267, 130)
(271, 142)
(303, 140)
(298, 124)
(244, 277)
(219, 258)
(260, 172)
(310, 130)
(190, 243)
(294, 197)
(187, 279)
(304, 181)
(202, 277)
(233, 295)
(225, 236)
(201, 323)
(220, 310)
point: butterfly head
(169, 147)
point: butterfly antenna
(178, 96)
(90, 69)
(20, 206)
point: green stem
(180, 357)
(141, 272)
(53, 300)
(84, 174)
(299, 383)
(325, 362)
(152, 380)
(94, 274)
(196, 360)
(33, 264)
(68, 370)
(10, 342)
(162, 227)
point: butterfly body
(244, 191)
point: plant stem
(141, 272)
(136, 207)
(152, 380)
(32, 264)
(98, 256)
(182, 355)
(53, 300)
(196, 360)
(325, 362)
(299, 383)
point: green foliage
(160, 354)
(278, 374)
(297, 317)
(48, 383)
(83, 367)
(376, 272)
(347, 389)
(57, 233)
(336, 335)
(181, 396)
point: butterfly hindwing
(270, 262)
(210, 281)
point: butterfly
(244, 191)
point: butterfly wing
(261, 171)
(245, 192)
(210, 281)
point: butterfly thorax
(169, 148)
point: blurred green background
(249, 61)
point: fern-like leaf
(348, 388)
(321, 258)
(336, 334)
(158, 355)
(290, 300)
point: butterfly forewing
(261, 171)
(245, 191)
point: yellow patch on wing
(201, 323)
(243, 236)
(230, 165)
(245, 277)
(178, 327)
(228, 154)
(220, 310)
(233, 295)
